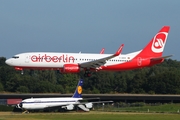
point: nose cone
(19, 105)
(8, 62)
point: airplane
(67, 103)
(76, 62)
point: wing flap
(82, 103)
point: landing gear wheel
(22, 72)
(87, 73)
(26, 111)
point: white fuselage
(42, 103)
(57, 60)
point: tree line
(163, 78)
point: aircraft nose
(19, 105)
(8, 61)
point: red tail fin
(156, 46)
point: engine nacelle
(18, 68)
(89, 105)
(69, 107)
(70, 68)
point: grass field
(165, 108)
(109, 112)
(89, 116)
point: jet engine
(89, 105)
(69, 107)
(70, 68)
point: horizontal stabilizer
(163, 57)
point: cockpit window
(20, 105)
(15, 57)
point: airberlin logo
(55, 59)
(159, 42)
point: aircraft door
(26, 58)
(139, 61)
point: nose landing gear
(22, 72)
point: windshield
(15, 57)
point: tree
(159, 79)
(1, 87)
(22, 89)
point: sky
(86, 25)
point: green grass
(90, 116)
(137, 112)
(165, 108)
(161, 108)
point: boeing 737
(67, 103)
(76, 62)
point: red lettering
(63, 58)
(71, 58)
(54, 59)
(67, 58)
(48, 58)
(34, 58)
(42, 58)
(39, 58)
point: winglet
(102, 51)
(119, 50)
(78, 91)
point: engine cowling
(69, 107)
(89, 105)
(70, 68)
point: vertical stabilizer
(78, 91)
(156, 46)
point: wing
(99, 62)
(83, 105)
(95, 102)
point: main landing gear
(26, 111)
(22, 72)
(87, 73)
